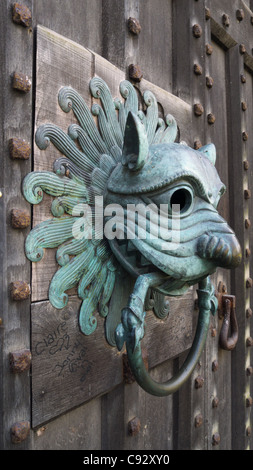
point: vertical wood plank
(16, 54)
(238, 212)
(189, 50)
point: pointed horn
(135, 148)
(210, 152)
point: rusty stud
(209, 49)
(240, 14)
(199, 382)
(20, 219)
(249, 283)
(215, 402)
(21, 82)
(198, 421)
(247, 252)
(134, 26)
(247, 194)
(197, 144)
(248, 431)
(245, 136)
(19, 290)
(134, 427)
(19, 149)
(215, 365)
(207, 13)
(20, 432)
(246, 165)
(215, 439)
(249, 371)
(249, 342)
(249, 313)
(244, 106)
(213, 332)
(209, 81)
(20, 361)
(249, 402)
(243, 78)
(197, 69)
(198, 109)
(247, 223)
(21, 15)
(197, 31)
(225, 20)
(242, 49)
(211, 118)
(135, 73)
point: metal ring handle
(132, 335)
(229, 342)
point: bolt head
(197, 69)
(198, 421)
(134, 426)
(215, 439)
(215, 366)
(240, 14)
(215, 402)
(211, 118)
(199, 382)
(134, 26)
(198, 109)
(225, 20)
(135, 73)
(197, 31)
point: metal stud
(225, 20)
(211, 118)
(134, 26)
(199, 382)
(247, 252)
(247, 194)
(242, 49)
(215, 439)
(247, 223)
(249, 342)
(197, 31)
(209, 82)
(246, 165)
(215, 402)
(134, 427)
(20, 432)
(20, 361)
(244, 106)
(249, 283)
(249, 313)
(197, 69)
(19, 149)
(198, 109)
(135, 73)
(245, 136)
(207, 13)
(249, 371)
(21, 82)
(240, 14)
(209, 49)
(243, 78)
(19, 290)
(249, 402)
(215, 366)
(20, 219)
(21, 15)
(198, 421)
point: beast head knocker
(158, 201)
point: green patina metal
(131, 159)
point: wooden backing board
(62, 62)
(69, 368)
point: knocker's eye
(181, 200)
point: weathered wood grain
(70, 368)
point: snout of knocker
(223, 249)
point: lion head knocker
(158, 201)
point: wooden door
(196, 57)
